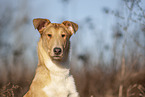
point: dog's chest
(57, 88)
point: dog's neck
(56, 68)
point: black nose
(57, 51)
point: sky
(95, 26)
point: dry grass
(14, 88)
(106, 84)
(8, 90)
(94, 83)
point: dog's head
(55, 37)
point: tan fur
(52, 78)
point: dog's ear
(40, 24)
(72, 27)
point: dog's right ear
(40, 24)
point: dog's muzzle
(57, 53)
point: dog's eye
(49, 35)
(63, 35)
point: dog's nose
(57, 51)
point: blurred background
(108, 50)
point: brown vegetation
(96, 82)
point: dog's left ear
(72, 27)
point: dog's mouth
(56, 57)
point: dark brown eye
(63, 35)
(49, 35)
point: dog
(52, 77)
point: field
(98, 81)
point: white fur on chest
(60, 80)
(58, 88)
